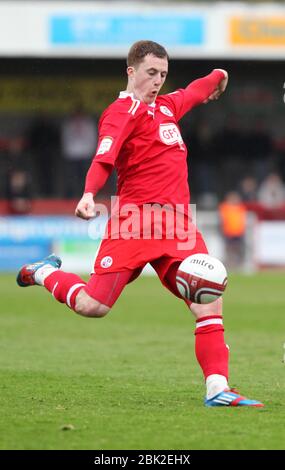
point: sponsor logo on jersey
(170, 134)
(166, 111)
(106, 262)
(105, 145)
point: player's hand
(86, 207)
(220, 88)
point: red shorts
(120, 255)
(119, 262)
(131, 245)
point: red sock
(64, 286)
(211, 351)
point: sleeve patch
(105, 145)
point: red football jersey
(144, 143)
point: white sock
(42, 273)
(215, 384)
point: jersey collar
(125, 94)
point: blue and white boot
(231, 397)
(26, 275)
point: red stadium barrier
(265, 213)
(67, 207)
(46, 207)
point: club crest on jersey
(106, 262)
(166, 111)
(105, 145)
(170, 134)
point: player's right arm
(97, 176)
(115, 127)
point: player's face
(147, 78)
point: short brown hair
(140, 49)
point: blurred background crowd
(49, 156)
(53, 89)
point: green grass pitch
(130, 380)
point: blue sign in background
(19, 229)
(119, 30)
(25, 239)
(14, 255)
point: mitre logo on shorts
(170, 134)
(105, 145)
(165, 111)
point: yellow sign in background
(257, 31)
(58, 95)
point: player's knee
(93, 310)
(89, 307)
(97, 311)
(203, 310)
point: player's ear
(130, 71)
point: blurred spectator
(229, 150)
(233, 226)
(248, 189)
(18, 192)
(78, 140)
(279, 148)
(271, 192)
(17, 156)
(208, 201)
(231, 140)
(205, 164)
(202, 164)
(259, 147)
(43, 143)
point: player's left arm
(199, 91)
(220, 88)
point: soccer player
(139, 136)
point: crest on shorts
(166, 111)
(106, 262)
